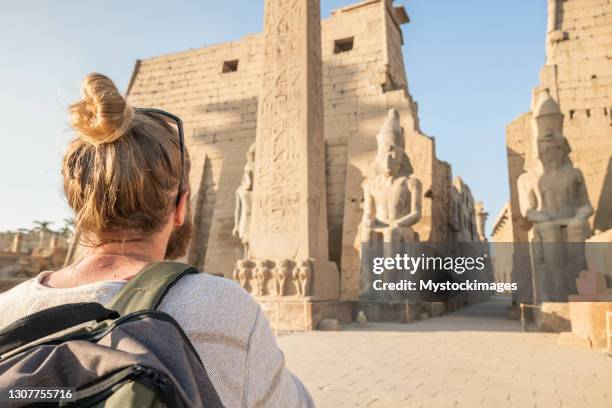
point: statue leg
(368, 253)
(577, 232)
(393, 247)
(548, 259)
(366, 235)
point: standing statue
(481, 221)
(553, 196)
(244, 200)
(242, 273)
(281, 273)
(302, 274)
(392, 198)
(262, 274)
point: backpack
(130, 355)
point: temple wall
(578, 72)
(219, 111)
(363, 76)
(502, 257)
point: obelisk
(289, 215)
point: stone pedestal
(587, 309)
(552, 317)
(290, 315)
(588, 321)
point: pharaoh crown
(391, 132)
(545, 105)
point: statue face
(551, 146)
(550, 149)
(390, 161)
(251, 155)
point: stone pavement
(470, 358)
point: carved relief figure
(281, 273)
(262, 273)
(553, 196)
(244, 201)
(302, 275)
(392, 197)
(242, 273)
(481, 220)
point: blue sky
(471, 66)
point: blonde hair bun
(102, 115)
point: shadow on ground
(491, 316)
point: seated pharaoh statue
(392, 198)
(553, 197)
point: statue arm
(237, 212)
(585, 210)
(414, 185)
(368, 207)
(528, 201)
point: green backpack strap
(147, 289)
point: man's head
(123, 170)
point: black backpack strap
(50, 321)
(148, 288)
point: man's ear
(181, 209)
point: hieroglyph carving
(280, 119)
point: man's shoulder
(204, 302)
(211, 287)
(13, 300)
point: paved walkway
(471, 358)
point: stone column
(17, 243)
(54, 242)
(289, 218)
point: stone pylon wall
(578, 72)
(219, 110)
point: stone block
(569, 339)
(329, 325)
(290, 315)
(553, 317)
(588, 321)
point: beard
(179, 238)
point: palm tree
(68, 227)
(43, 225)
(43, 228)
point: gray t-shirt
(224, 323)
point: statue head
(251, 154)
(247, 177)
(391, 159)
(283, 265)
(550, 146)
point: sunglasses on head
(179, 124)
